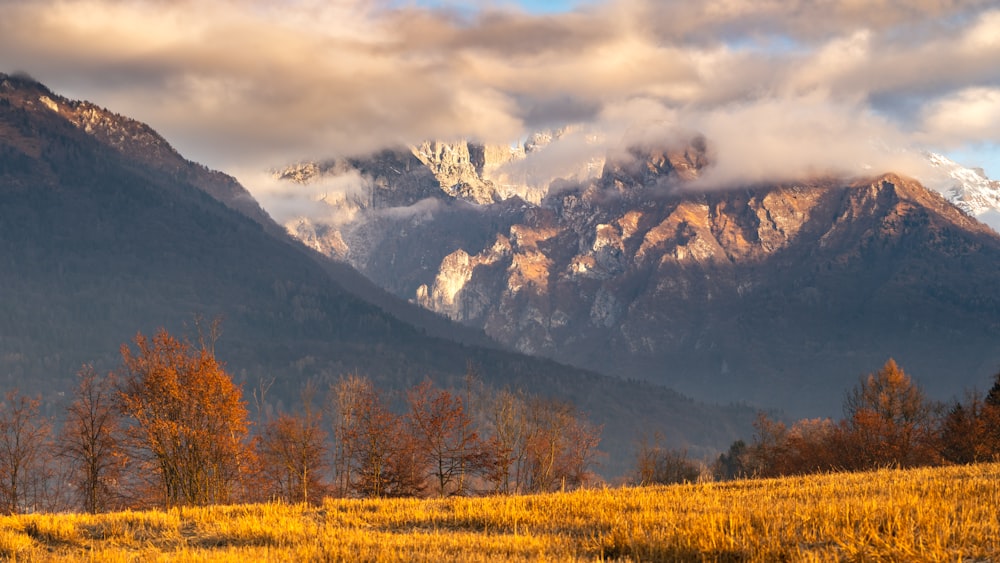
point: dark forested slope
(96, 244)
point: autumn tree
(24, 449)
(443, 434)
(889, 421)
(991, 418)
(293, 453)
(90, 441)
(188, 419)
(561, 446)
(657, 464)
(508, 446)
(382, 459)
(768, 450)
(404, 476)
(970, 431)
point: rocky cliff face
(97, 244)
(737, 293)
(781, 295)
(433, 172)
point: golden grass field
(939, 514)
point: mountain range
(781, 295)
(446, 254)
(105, 230)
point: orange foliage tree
(188, 419)
(889, 421)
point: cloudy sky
(781, 87)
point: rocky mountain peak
(644, 166)
(968, 188)
(770, 292)
(478, 173)
(635, 274)
(102, 240)
(904, 202)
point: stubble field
(939, 514)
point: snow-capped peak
(969, 189)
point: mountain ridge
(732, 293)
(970, 189)
(136, 141)
(98, 245)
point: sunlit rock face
(773, 294)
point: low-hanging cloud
(324, 198)
(786, 139)
(779, 88)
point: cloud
(239, 84)
(322, 198)
(576, 153)
(791, 138)
(422, 210)
(972, 114)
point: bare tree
(657, 464)
(24, 448)
(91, 441)
(537, 444)
(446, 441)
(508, 446)
(561, 446)
(293, 453)
(344, 405)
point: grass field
(940, 514)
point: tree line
(888, 422)
(171, 428)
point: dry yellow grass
(941, 514)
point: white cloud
(971, 115)
(239, 84)
(790, 138)
(320, 199)
(984, 35)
